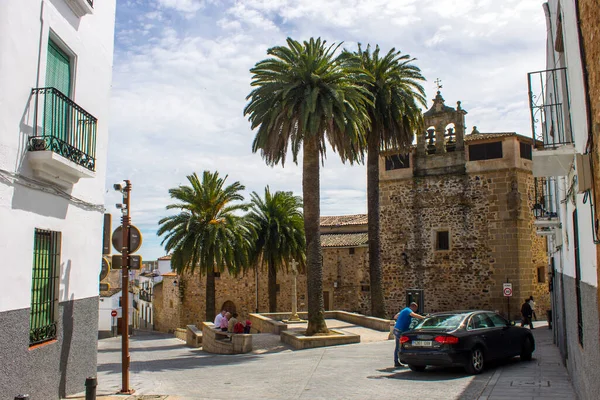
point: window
(525, 150)
(397, 161)
(485, 151)
(541, 274)
(351, 250)
(497, 320)
(578, 278)
(442, 240)
(44, 288)
(217, 275)
(480, 321)
(365, 288)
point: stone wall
(174, 309)
(491, 230)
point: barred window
(485, 151)
(397, 161)
(44, 290)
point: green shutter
(58, 69)
(58, 76)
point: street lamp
(124, 187)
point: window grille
(525, 150)
(46, 264)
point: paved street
(163, 366)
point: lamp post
(125, 188)
(294, 317)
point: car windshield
(446, 321)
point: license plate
(422, 343)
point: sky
(181, 77)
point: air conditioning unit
(583, 167)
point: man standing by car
(403, 319)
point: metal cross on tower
(438, 83)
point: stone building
(456, 220)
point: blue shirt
(404, 320)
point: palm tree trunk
(312, 214)
(210, 296)
(375, 273)
(272, 286)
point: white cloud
(180, 82)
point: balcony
(63, 146)
(81, 7)
(550, 122)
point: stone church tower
(456, 219)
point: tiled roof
(167, 257)
(344, 239)
(343, 220)
(494, 135)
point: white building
(563, 207)
(150, 275)
(55, 76)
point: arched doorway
(229, 306)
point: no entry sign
(113, 313)
(507, 289)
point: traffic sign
(135, 238)
(113, 313)
(135, 261)
(507, 289)
(105, 268)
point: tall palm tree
(278, 227)
(206, 233)
(395, 116)
(303, 96)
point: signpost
(508, 292)
(135, 239)
(135, 261)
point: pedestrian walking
(526, 314)
(403, 319)
(532, 305)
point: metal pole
(90, 388)
(126, 220)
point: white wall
(571, 58)
(24, 30)
(107, 304)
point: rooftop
(344, 220)
(344, 239)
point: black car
(464, 338)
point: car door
(508, 344)
(490, 335)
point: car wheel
(526, 349)
(475, 362)
(417, 368)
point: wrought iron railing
(546, 201)
(46, 268)
(62, 126)
(550, 108)
(146, 296)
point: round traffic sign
(135, 239)
(105, 268)
(113, 313)
(507, 292)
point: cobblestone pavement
(163, 368)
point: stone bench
(218, 342)
(193, 336)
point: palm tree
(278, 227)
(303, 96)
(206, 234)
(395, 115)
